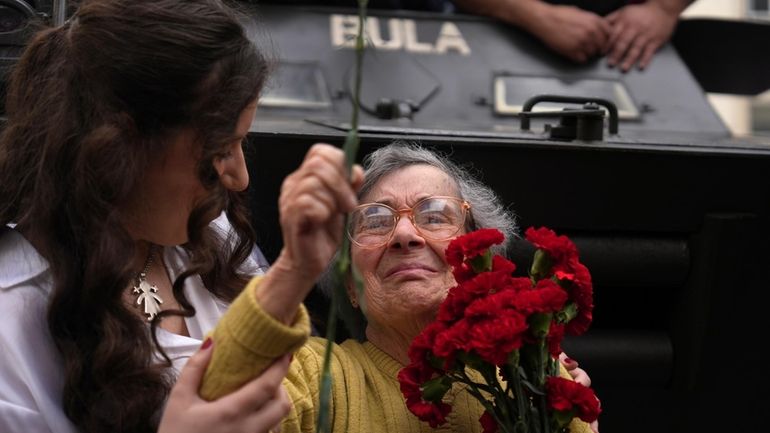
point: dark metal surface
(674, 105)
(667, 213)
(671, 214)
(726, 56)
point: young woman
(123, 143)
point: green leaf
(569, 312)
(434, 389)
(563, 418)
(482, 262)
(532, 388)
(522, 373)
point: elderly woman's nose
(405, 235)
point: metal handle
(526, 109)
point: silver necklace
(147, 293)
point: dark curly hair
(88, 104)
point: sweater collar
(383, 361)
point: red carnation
(494, 338)
(432, 413)
(559, 248)
(520, 283)
(422, 345)
(491, 305)
(546, 297)
(411, 379)
(503, 265)
(565, 395)
(473, 244)
(460, 296)
(451, 340)
(582, 293)
(488, 423)
(463, 272)
(554, 338)
(493, 319)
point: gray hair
(487, 210)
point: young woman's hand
(257, 407)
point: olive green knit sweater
(366, 397)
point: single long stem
(541, 367)
(343, 266)
(324, 416)
(519, 392)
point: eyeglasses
(438, 218)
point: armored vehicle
(670, 212)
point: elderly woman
(399, 253)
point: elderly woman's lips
(409, 269)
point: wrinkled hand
(257, 407)
(580, 376)
(312, 203)
(638, 31)
(573, 32)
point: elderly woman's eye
(434, 218)
(376, 223)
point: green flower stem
(505, 414)
(543, 411)
(522, 405)
(541, 367)
(342, 268)
(324, 420)
(463, 378)
(500, 419)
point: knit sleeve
(246, 340)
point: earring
(354, 303)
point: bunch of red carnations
(500, 336)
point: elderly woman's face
(407, 278)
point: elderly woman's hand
(580, 376)
(312, 204)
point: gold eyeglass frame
(397, 213)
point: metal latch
(586, 123)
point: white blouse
(31, 373)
